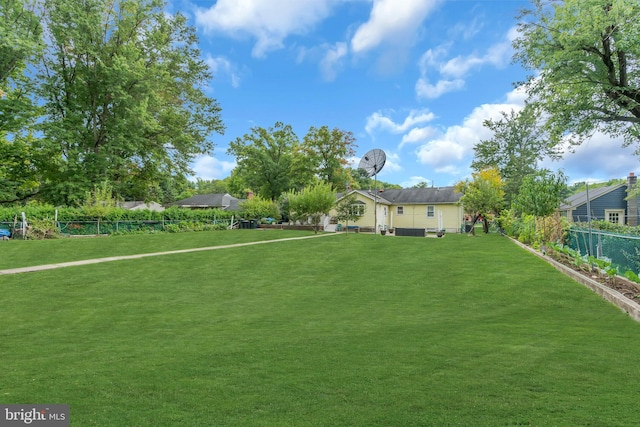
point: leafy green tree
(20, 42)
(258, 207)
(482, 195)
(122, 84)
(211, 186)
(540, 194)
(518, 143)
(360, 181)
(421, 184)
(99, 202)
(311, 203)
(18, 176)
(345, 211)
(585, 54)
(324, 154)
(264, 159)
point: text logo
(34, 415)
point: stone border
(623, 303)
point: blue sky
(415, 78)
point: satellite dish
(373, 161)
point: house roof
(216, 200)
(431, 195)
(408, 196)
(141, 205)
(579, 199)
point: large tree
(122, 84)
(517, 144)
(325, 154)
(20, 41)
(264, 159)
(585, 54)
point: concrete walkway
(137, 256)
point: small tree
(99, 202)
(540, 195)
(257, 207)
(312, 203)
(482, 195)
(345, 211)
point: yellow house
(429, 209)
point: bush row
(41, 212)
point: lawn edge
(611, 295)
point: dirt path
(137, 256)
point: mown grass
(20, 253)
(354, 331)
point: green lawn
(357, 331)
(19, 253)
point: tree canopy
(482, 195)
(518, 143)
(585, 54)
(540, 193)
(311, 202)
(325, 153)
(120, 89)
(264, 159)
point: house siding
(414, 216)
(609, 201)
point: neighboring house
(210, 201)
(138, 205)
(606, 203)
(431, 209)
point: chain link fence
(90, 228)
(623, 250)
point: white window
(400, 210)
(431, 211)
(357, 209)
(614, 216)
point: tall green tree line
(120, 85)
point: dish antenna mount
(372, 163)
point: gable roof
(216, 200)
(580, 199)
(415, 196)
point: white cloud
(466, 31)
(424, 89)
(450, 153)
(391, 21)
(378, 120)
(599, 159)
(453, 71)
(392, 163)
(269, 22)
(332, 60)
(207, 167)
(417, 135)
(221, 66)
